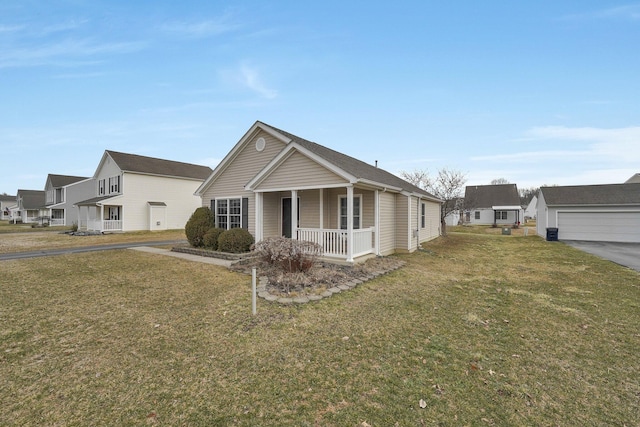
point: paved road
(626, 254)
(65, 251)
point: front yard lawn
(478, 329)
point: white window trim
(355, 196)
(228, 215)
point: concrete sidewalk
(188, 257)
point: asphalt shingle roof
(150, 165)
(605, 194)
(62, 180)
(486, 196)
(355, 167)
(32, 199)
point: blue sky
(539, 92)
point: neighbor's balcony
(335, 242)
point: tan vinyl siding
(432, 221)
(271, 207)
(247, 163)
(300, 171)
(402, 224)
(309, 208)
(368, 208)
(387, 223)
(414, 217)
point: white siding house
(132, 192)
(590, 212)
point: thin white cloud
(250, 78)
(65, 26)
(11, 28)
(63, 52)
(624, 12)
(200, 29)
(597, 144)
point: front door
(286, 216)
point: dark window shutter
(213, 211)
(245, 213)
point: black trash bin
(552, 234)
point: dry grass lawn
(478, 329)
(35, 240)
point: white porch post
(101, 218)
(258, 215)
(321, 204)
(350, 223)
(294, 214)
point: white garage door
(599, 226)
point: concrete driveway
(626, 254)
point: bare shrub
(290, 255)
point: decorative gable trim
(235, 151)
(287, 152)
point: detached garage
(607, 213)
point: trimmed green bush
(201, 221)
(235, 241)
(210, 239)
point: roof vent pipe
(376, 163)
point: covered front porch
(342, 220)
(95, 215)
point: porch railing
(335, 242)
(56, 221)
(96, 225)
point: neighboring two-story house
(7, 203)
(61, 193)
(29, 206)
(133, 192)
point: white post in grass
(253, 291)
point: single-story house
(62, 192)
(133, 192)
(6, 203)
(29, 206)
(274, 183)
(492, 204)
(609, 212)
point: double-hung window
(114, 184)
(423, 215)
(501, 215)
(231, 213)
(357, 204)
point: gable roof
(361, 171)
(62, 180)
(487, 196)
(635, 178)
(32, 199)
(153, 166)
(7, 198)
(606, 194)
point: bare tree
(499, 181)
(526, 194)
(448, 186)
